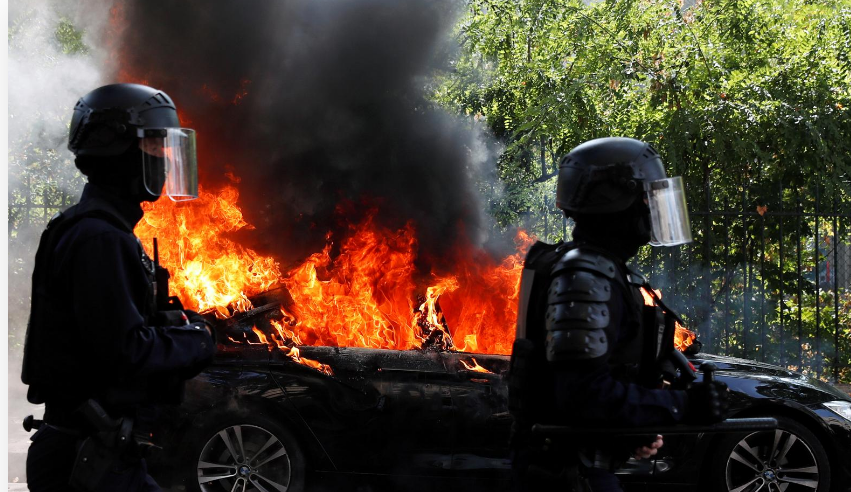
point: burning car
(269, 418)
(353, 365)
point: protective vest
(50, 345)
(563, 318)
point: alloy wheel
(778, 461)
(244, 458)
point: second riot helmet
(607, 175)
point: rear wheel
(248, 455)
(787, 459)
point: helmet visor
(668, 212)
(169, 164)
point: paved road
(19, 443)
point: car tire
(788, 459)
(247, 454)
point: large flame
(208, 271)
(369, 294)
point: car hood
(760, 370)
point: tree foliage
(748, 100)
(740, 94)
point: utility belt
(104, 442)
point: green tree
(747, 100)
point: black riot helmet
(609, 175)
(137, 125)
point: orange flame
(208, 271)
(291, 352)
(482, 312)
(474, 366)
(683, 337)
(261, 336)
(648, 297)
(368, 295)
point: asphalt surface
(19, 443)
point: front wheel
(787, 459)
(247, 456)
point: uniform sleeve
(108, 285)
(588, 390)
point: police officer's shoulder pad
(579, 285)
(586, 259)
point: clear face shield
(169, 164)
(668, 212)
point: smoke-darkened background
(314, 105)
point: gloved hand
(707, 402)
(194, 317)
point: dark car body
(426, 414)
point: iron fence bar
(746, 271)
(28, 202)
(669, 265)
(800, 290)
(835, 242)
(762, 288)
(546, 222)
(692, 256)
(726, 287)
(782, 293)
(45, 204)
(707, 258)
(818, 288)
(653, 259)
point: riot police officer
(96, 337)
(588, 350)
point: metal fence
(41, 183)
(766, 280)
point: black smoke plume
(314, 104)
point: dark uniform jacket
(582, 329)
(603, 390)
(91, 332)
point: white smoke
(44, 83)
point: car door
(381, 411)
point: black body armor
(564, 321)
(53, 350)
